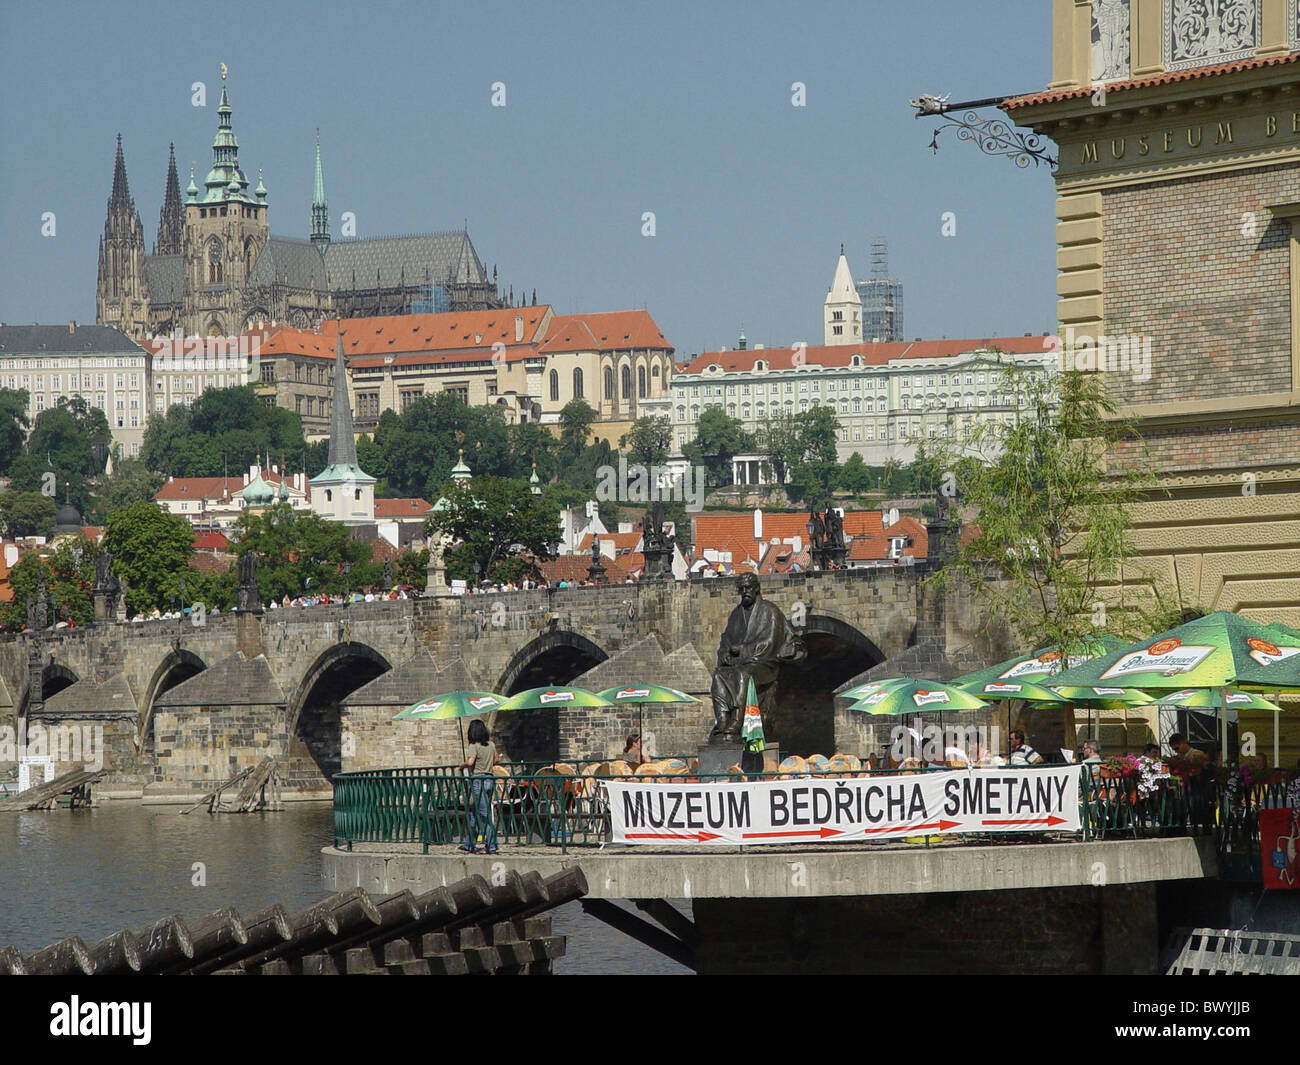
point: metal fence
(534, 804)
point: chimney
(72, 326)
(519, 328)
(758, 525)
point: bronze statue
(816, 530)
(834, 528)
(757, 642)
(248, 600)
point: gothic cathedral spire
(320, 208)
(171, 219)
(122, 292)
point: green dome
(257, 493)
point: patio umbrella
(640, 694)
(898, 696)
(545, 697)
(1102, 698)
(1044, 662)
(452, 705)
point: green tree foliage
(27, 514)
(300, 553)
(1055, 531)
(816, 469)
(151, 550)
(70, 578)
(529, 443)
(647, 441)
(73, 438)
(576, 419)
(492, 519)
(718, 438)
(413, 568)
(420, 446)
(226, 428)
(855, 477)
(130, 482)
(13, 425)
(779, 443)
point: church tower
(122, 293)
(225, 228)
(843, 307)
(342, 492)
(320, 208)
(171, 219)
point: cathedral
(216, 271)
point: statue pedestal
(718, 758)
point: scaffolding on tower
(882, 299)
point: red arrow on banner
(941, 825)
(820, 832)
(699, 837)
(1049, 821)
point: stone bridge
(183, 706)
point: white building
(843, 307)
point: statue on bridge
(757, 642)
(248, 600)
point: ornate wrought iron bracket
(993, 136)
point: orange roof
(215, 488)
(402, 508)
(574, 568)
(1017, 102)
(606, 331)
(735, 533)
(872, 354)
(407, 333)
(622, 541)
(876, 546)
(210, 541)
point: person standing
(482, 757)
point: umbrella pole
(460, 724)
(1276, 726)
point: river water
(123, 865)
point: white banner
(817, 809)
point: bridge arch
(804, 718)
(55, 677)
(179, 665)
(553, 658)
(314, 735)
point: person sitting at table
(632, 754)
(1091, 752)
(1021, 752)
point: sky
(611, 110)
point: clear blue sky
(612, 109)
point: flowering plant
(1189, 765)
(1122, 766)
(1151, 772)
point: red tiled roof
(622, 541)
(215, 488)
(604, 331)
(735, 533)
(210, 541)
(402, 508)
(872, 354)
(411, 333)
(215, 562)
(574, 568)
(1047, 97)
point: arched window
(654, 370)
(744, 411)
(844, 406)
(681, 414)
(695, 413)
(214, 262)
(555, 386)
(577, 383)
(627, 382)
(640, 382)
(609, 383)
(857, 405)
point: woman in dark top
(482, 757)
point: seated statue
(757, 641)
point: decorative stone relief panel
(1200, 33)
(1110, 40)
(1293, 24)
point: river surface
(122, 865)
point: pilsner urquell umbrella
(1045, 662)
(1220, 650)
(452, 705)
(640, 694)
(898, 696)
(545, 697)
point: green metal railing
(533, 805)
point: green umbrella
(907, 695)
(1218, 699)
(1044, 662)
(1107, 698)
(458, 705)
(452, 704)
(546, 697)
(640, 694)
(1014, 689)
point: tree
(151, 551)
(130, 482)
(27, 514)
(779, 443)
(648, 440)
(855, 477)
(1055, 531)
(817, 468)
(70, 578)
(299, 552)
(72, 437)
(13, 424)
(576, 419)
(493, 519)
(718, 438)
(226, 428)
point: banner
(818, 809)
(1279, 848)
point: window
(554, 378)
(789, 387)
(681, 414)
(906, 382)
(329, 496)
(120, 402)
(99, 380)
(135, 448)
(135, 380)
(837, 330)
(943, 380)
(882, 434)
(461, 392)
(577, 382)
(844, 434)
(857, 405)
(158, 403)
(844, 406)
(929, 381)
(268, 373)
(627, 382)
(907, 401)
(837, 316)
(880, 405)
(56, 383)
(40, 401)
(857, 435)
(135, 421)
(640, 382)
(609, 383)
(979, 380)
(803, 386)
(407, 396)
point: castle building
(216, 269)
